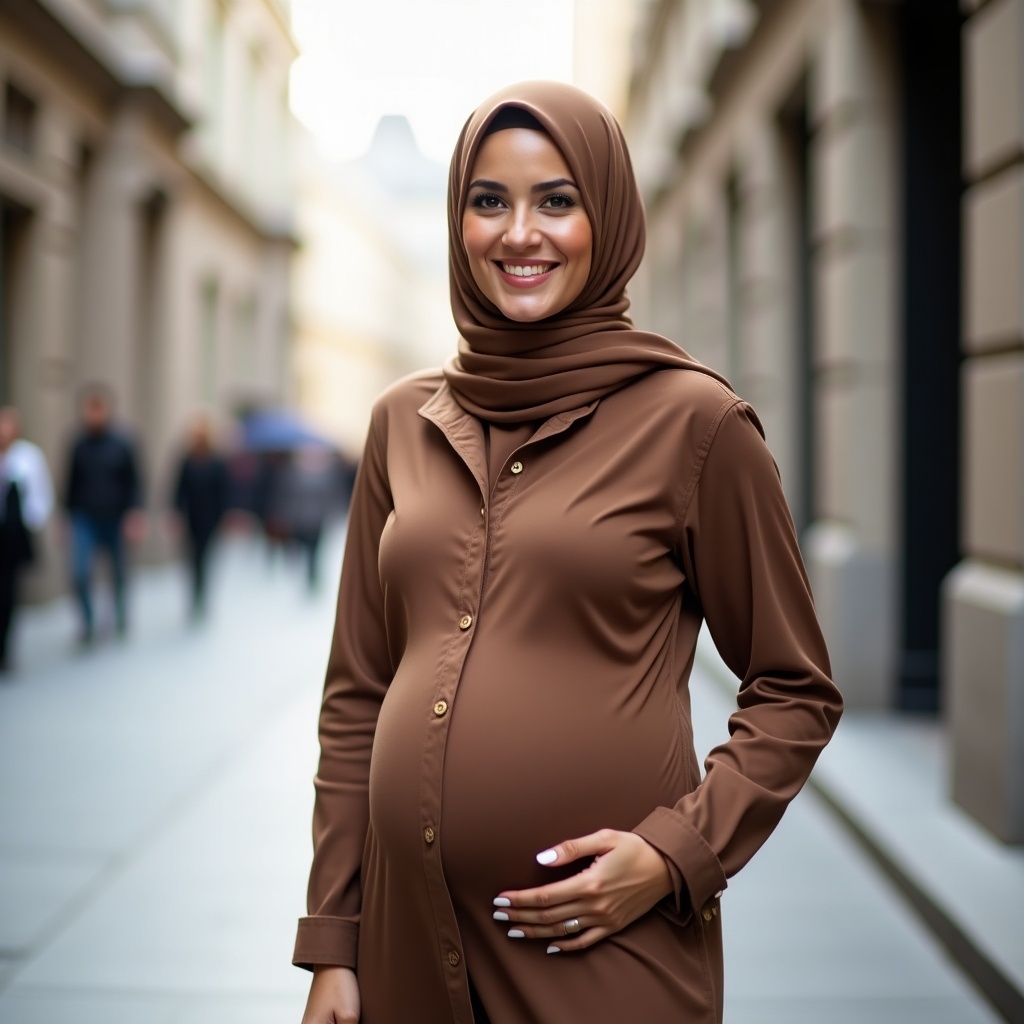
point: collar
(465, 432)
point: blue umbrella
(279, 430)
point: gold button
(428, 834)
(440, 708)
(454, 958)
(465, 622)
(706, 915)
(517, 468)
(483, 511)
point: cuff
(697, 874)
(326, 940)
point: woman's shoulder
(406, 395)
(699, 398)
(679, 413)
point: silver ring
(572, 926)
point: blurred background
(222, 233)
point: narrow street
(155, 799)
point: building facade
(371, 279)
(834, 193)
(146, 207)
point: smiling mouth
(525, 270)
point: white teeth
(518, 271)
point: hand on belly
(626, 877)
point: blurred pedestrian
(26, 499)
(296, 495)
(200, 500)
(311, 487)
(103, 497)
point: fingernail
(500, 915)
(501, 901)
(547, 857)
(516, 933)
(554, 949)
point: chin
(527, 312)
(524, 316)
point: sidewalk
(155, 799)
(884, 777)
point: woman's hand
(626, 879)
(333, 997)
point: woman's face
(524, 227)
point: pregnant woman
(510, 823)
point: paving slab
(35, 891)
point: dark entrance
(929, 41)
(795, 135)
(14, 223)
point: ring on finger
(572, 926)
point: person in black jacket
(103, 498)
(201, 499)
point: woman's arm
(333, 997)
(358, 674)
(741, 556)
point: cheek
(477, 240)
(578, 240)
(475, 236)
(577, 244)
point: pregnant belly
(534, 761)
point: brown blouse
(509, 670)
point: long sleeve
(358, 673)
(26, 464)
(133, 485)
(39, 499)
(739, 550)
(73, 479)
(180, 497)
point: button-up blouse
(510, 669)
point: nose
(521, 231)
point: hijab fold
(509, 371)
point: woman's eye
(486, 201)
(560, 202)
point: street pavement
(155, 797)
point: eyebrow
(542, 186)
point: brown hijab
(510, 372)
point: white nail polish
(501, 901)
(547, 857)
(516, 933)
(500, 915)
(554, 949)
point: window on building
(20, 117)
(245, 339)
(213, 82)
(794, 127)
(734, 307)
(282, 149)
(14, 224)
(209, 314)
(252, 164)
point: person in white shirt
(26, 500)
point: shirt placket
(465, 435)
